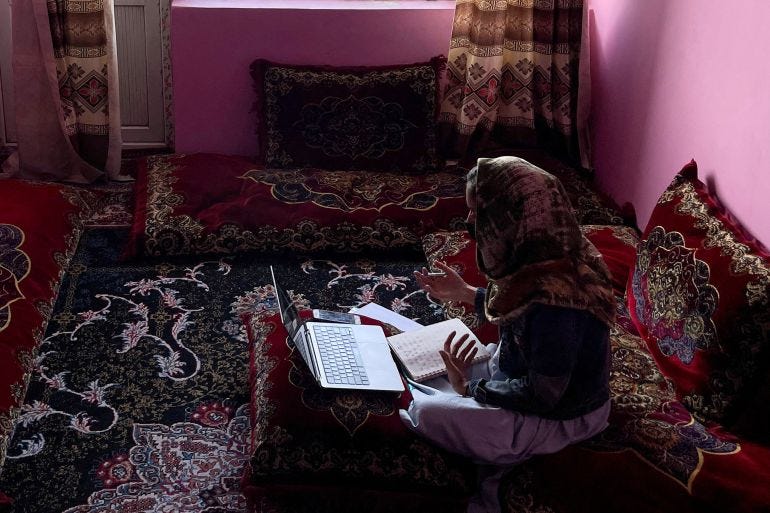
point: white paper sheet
(382, 314)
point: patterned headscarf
(530, 246)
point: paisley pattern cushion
(617, 244)
(35, 247)
(700, 296)
(315, 449)
(207, 203)
(377, 119)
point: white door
(7, 131)
(140, 63)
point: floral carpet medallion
(351, 410)
(137, 399)
(14, 267)
(187, 466)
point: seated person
(547, 383)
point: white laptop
(342, 356)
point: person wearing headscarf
(549, 290)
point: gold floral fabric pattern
(700, 295)
(674, 296)
(352, 192)
(458, 251)
(651, 439)
(646, 415)
(31, 269)
(350, 409)
(180, 209)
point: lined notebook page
(418, 350)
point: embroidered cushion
(617, 244)
(319, 450)
(207, 203)
(700, 296)
(39, 228)
(359, 118)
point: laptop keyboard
(340, 356)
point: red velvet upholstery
(318, 450)
(205, 203)
(39, 229)
(352, 118)
(700, 296)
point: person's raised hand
(458, 358)
(447, 287)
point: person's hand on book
(446, 285)
(458, 358)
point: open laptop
(342, 356)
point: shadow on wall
(623, 84)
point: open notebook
(417, 350)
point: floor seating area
(144, 367)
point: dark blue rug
(138, 401)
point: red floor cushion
(207, 203)
(39, 229)
(700, 296)
(321, 450)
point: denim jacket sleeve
(552, 337)
(478, 302)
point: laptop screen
(289, 314)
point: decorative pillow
(39, 229)
(206, 203)
(320, 450)
(617, 244)
(353, 118)
(700, 296)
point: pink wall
(212, 48)
(675, 80)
